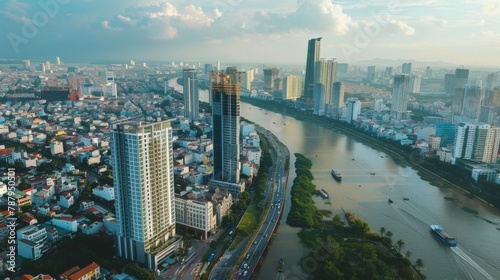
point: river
(477, 255)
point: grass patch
(468, 210)
(249, 221)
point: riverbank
(426, 170)
(338, 251)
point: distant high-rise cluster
(478, 143)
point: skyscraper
(191, 94)
(370, 74)
(326, 74)
(406, 68)
(144, 191)
(292, 87)
(449, 84)
(58, 61)
(461, 77)
(319, 99)
(226, 127)
(399, 104)
(415, 84)
(471, 106)
(337, 99)
(270, 75)
(491, 80)
(352, 109)
(313, 54)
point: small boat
(372, 173)
(444, 236)
(406, 198)
(324, 193)
(281, 266)
(336, 175)
(352, 159)
(390, 200)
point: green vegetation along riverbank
(339, 251)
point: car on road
(248, 256)
(255, 242)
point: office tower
(370, 74)
(326, 74)
(208, 68)
(378, 105)
(472, 97)
(415, 81)
(461, 77)
(190, 93)
(319, 99)
(247, 79)
(449, 84)
(58, 61)
(313, 54)
(42, 67)
(399, 104)
(428, 72)
(464, 140)
(447, 133)
(270, 75)
(218, 65)
(143, 173)
(278, 85)
(352, 109)
(27, 64)
(491, 80)
(292, 87)
(491, 144)
(389, 71)
(110, 77)
(342, 68)
(337, 99)
(132, 62)
(47, 66)
(226, 127)
(406, 68)
(144, 65)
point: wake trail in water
(433, 222)
(460, 253)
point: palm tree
(408, 254)
(400, 244)
(388, 236)
(382, 231)
(419, 263)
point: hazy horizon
(457, 32)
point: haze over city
(460, 32)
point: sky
(465, 32)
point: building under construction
(225, 93)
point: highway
(271, 220)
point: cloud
(396, 26)
(313, 15)
(105, 24)
(432, 20)
(485, 34)
(124, 18)
(491, 7)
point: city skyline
(463, 32)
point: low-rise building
(106, 192)
(91, 271)
(32, 242)
(195, 214)
(65, 223)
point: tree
(408, 254)
(382, 231)
(400, 244)
(419, 263)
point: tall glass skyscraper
(225, 91)
(191, 94)
(313, 54)
(144, 191)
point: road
(271, 220)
